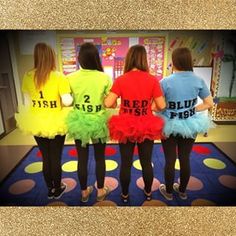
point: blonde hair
(44, 63)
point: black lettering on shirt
(171, 105)
(53, 104)
(45, 104)
(89, 108)
(126, 103)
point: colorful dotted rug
(212, 181)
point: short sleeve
(163, 86)
(116, 88)
(203, 91)
(156, 92)
(108, 86)
(64, 86)
(24, 87)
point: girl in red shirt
(135, 122)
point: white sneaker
(182, 195)
(167, 196)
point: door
(8, 101)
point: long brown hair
(182, 59)
(89, 57)
(44, 63)
(136, 58)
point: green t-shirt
(89, 87)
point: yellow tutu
(45, 124)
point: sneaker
(60, 191)
(124, 199)
(103, 196)
(86, 198)
(167, 196)
(51, 192)
(182, 195)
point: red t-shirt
(137, 90)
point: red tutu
(131, 128)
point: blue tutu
(187, 128)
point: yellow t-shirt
(48, 98)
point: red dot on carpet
(72, 152)
(201, 149)
(39, 154)
(136, 150)
(110, 151)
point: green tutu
(84, 126)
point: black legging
(184, 149)
(51, 150)
(99, 154)
(145, 156)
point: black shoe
(148, 196)
(124, 199)
(51, 192)
(59, 192)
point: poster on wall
(199, 43)
(112, 51)
(224, 80)
(155, 47)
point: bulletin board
(200, 44)
(112, 50)
(224, 83)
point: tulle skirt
(46, 124)
(84, 126)
(126, 127)
(188, 128)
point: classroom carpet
(212, 181)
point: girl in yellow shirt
(46, 91)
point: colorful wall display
(112, 50)
(155, 47)
(200, 44)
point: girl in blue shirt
(183, 120)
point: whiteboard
(206, 74)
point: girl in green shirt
(88, 120)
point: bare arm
(110, 100)
(158, 104)
(206, 104)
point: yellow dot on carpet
(111, 165)
(70, 166)
(34, 167)
(214, 163)
(137, 165)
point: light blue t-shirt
(181, 90)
